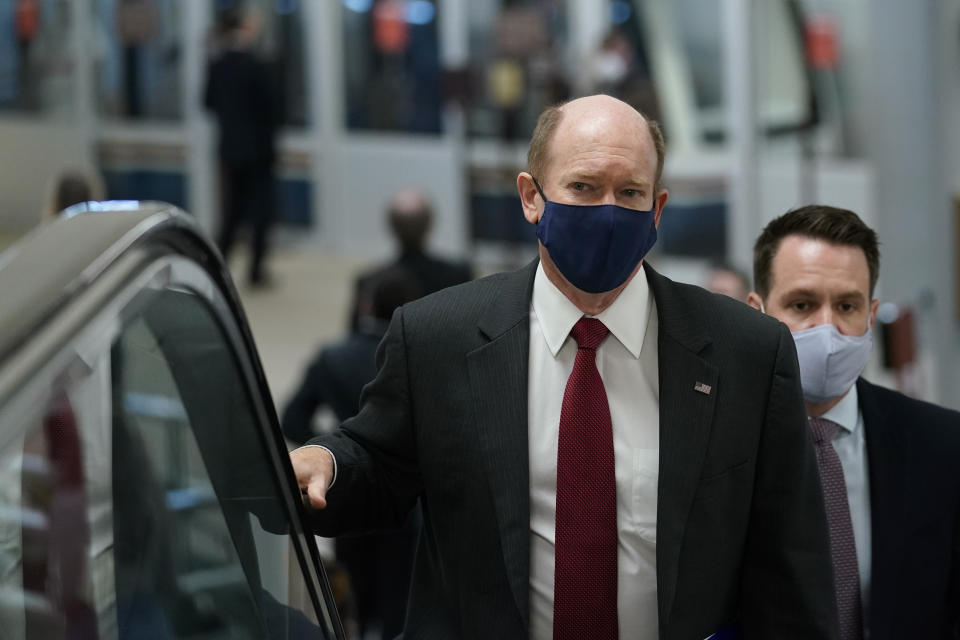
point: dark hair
(831, 224)
(230, 18)
(72, 187)
(537, 154)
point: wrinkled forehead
(584, 137)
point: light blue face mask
(830, 362)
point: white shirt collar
(626, 318)
(845, 412)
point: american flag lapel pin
(702, 388)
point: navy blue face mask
(595, 247)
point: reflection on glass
(391, 64)
(699, 25)
(517, 52)
(280, 41)
(201, 535)
(36, 56)
(136, 499)
(138, 58)
(781, 86)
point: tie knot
(823, 430)
(589, 333)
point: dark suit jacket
(913, 457)
(244, 94)
(335, 378)
(741, 529)
(432, 274)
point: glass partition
(782, 88)
(391, 65)
(137, 58)
(36, 56)
(141, 493)
(517, 65)
(699, 26)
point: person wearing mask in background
(379, 564)
(618, 68)
(888, 463)
(599, 452)
(410, 217)
(243, 93)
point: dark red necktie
(843, 548)
(585, 578)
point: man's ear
(529, 198)
(754, 300)
(659, 202)
(874, 305)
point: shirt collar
(626, 318)
(844, 413)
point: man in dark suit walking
(599, 452)
(243, 94)
(888, 462)
(410, 216)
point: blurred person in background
(378, 564)
(728, 280)
(615, 69)
(410, 216)
(71, 187)
(243, 92)
(529, 412)
(888, 463)
(340, 370)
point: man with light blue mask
(888, 463)
(599, 451)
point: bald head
(589, 152)
(591, 120)
(410, 216)
(603, 106)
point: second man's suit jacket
(913, 461)
(741, 529)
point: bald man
(410, 216)
(600, 452)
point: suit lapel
(686, 412)
(498, 380)
(888, 449)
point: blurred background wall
(767, 105)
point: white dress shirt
(627, 361)
(851, 447)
